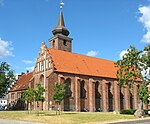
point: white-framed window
(42, 66)
(18, 95)
(49, 64)
(38, 66)
(46, 63)
(12, 96)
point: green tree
(39, 92)
(145, 64)
(143, 92)
(6, 78)
(129, 72)
(34, 95)
(58, 95)
(29, 96)
(128, 68)
(145, 60)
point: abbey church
(91, 82)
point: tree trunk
(59, 107)
(37, 107)
(139, 112)
(56, 107)
(29, 107)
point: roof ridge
(80, 54)
(81, 64)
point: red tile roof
(81, 64)
(23, 82)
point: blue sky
(101, 28)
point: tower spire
(61, 22)
(60, 28)
(61, 19)
(60, 40)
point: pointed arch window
(68, 87)
(82, 90)
(42, 80)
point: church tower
(60, 40)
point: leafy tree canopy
(131, 68)
(34, 94)
(59, 92)
(28, 95)
(7, 77)
(39, 92)
(128, 67)
(145, 60)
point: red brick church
(91, 82)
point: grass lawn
(49, 117)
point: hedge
(132, 111)
(128, 111)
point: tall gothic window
(82, 90)
(68, 93)
(97, 96)
(110, 98)
(42, 80)
(82, 95)
(121, 101)
(68, 87)
(131, 101)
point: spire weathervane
(60, 28)
(61, 4)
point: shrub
(146, 111)
(128, 111)
(132, 111)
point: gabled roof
(22, 83)
(81, 64)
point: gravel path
(142, 121)
(17, 122)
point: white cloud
(122, 53)
(5, 49)
(145, 19)
(16, 76)
(1, 2)
(28, 61)
(30, 68)
(92, 53)
(146, 73)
